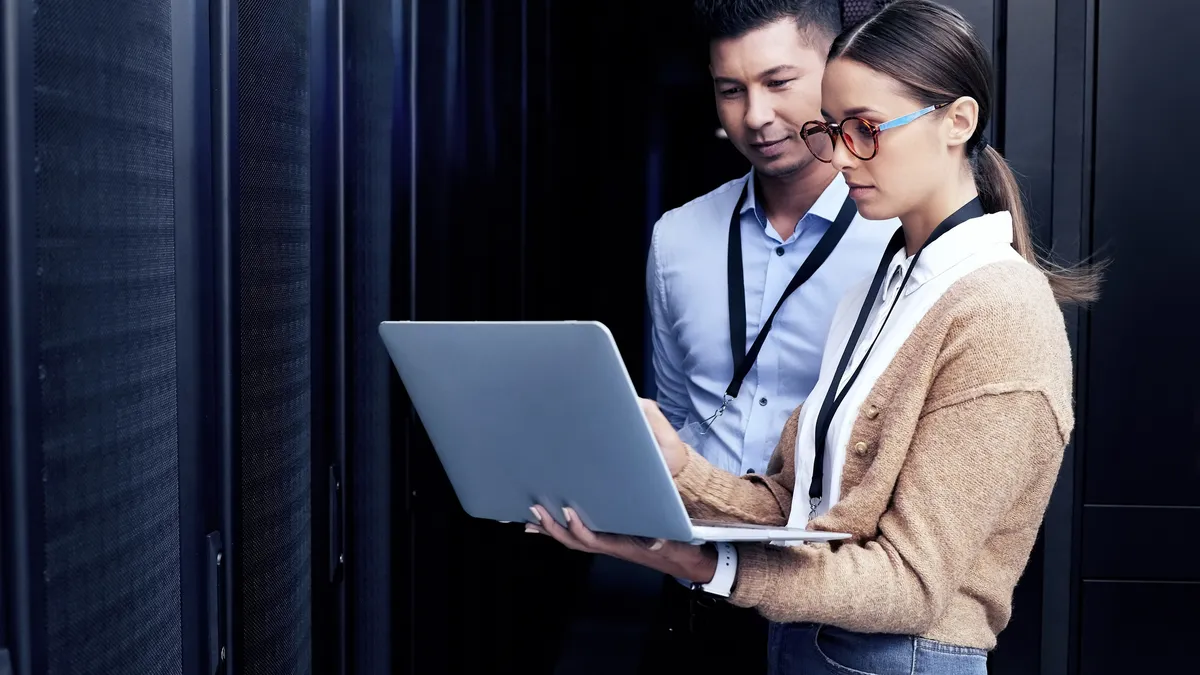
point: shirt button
(762, 401)
(860, 447)
(779, 250)
(749, 471)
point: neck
(921, 223)
(787, 198)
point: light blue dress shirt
(686, 282)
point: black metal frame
(329, 346)
(1074, 153)
(403, 304)
(195, 274)
(1028, 87)
(223, 50)
(22, 466)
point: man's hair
(723, 19)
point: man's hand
(695, 563)
(669, 443)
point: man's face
(767, 85)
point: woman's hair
(932, 52)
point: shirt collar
(827, 206)
(960, 243)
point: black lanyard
(743, 362)
(833, 399)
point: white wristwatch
(722, 581)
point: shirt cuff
(722, 581)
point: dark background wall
(209, 205)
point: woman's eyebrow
(860, 110)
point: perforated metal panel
(104, 215)
(274, 217)
(369, 192)
(854, 11)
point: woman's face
(912, 161)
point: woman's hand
(695, 563)
(669, 443)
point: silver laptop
(524, 413)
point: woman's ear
(961, 118)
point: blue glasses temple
(901, 121)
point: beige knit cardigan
(951, 464)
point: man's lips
(770, 148)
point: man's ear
(961, 119)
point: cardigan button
(872, 412)
(860, 447)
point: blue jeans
(809, 649)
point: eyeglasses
(860, 136)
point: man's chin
(781, 168)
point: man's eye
(731, 91)
(777, 83)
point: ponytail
(999, 191)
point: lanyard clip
(813, 503)
(707, 424)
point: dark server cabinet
(1142, 473)
(92, 543)
(197, 215)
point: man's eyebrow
(776, 70)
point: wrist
(677, 459)
(701, 564)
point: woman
(939, 446)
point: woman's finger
(588, 539)
(551, 528)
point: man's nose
(759, 112)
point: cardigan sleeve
(712, 494)
(967, 465)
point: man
(766, 62)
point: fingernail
(567, 513)
(535, 513)
(658, 543)
(529, 529)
